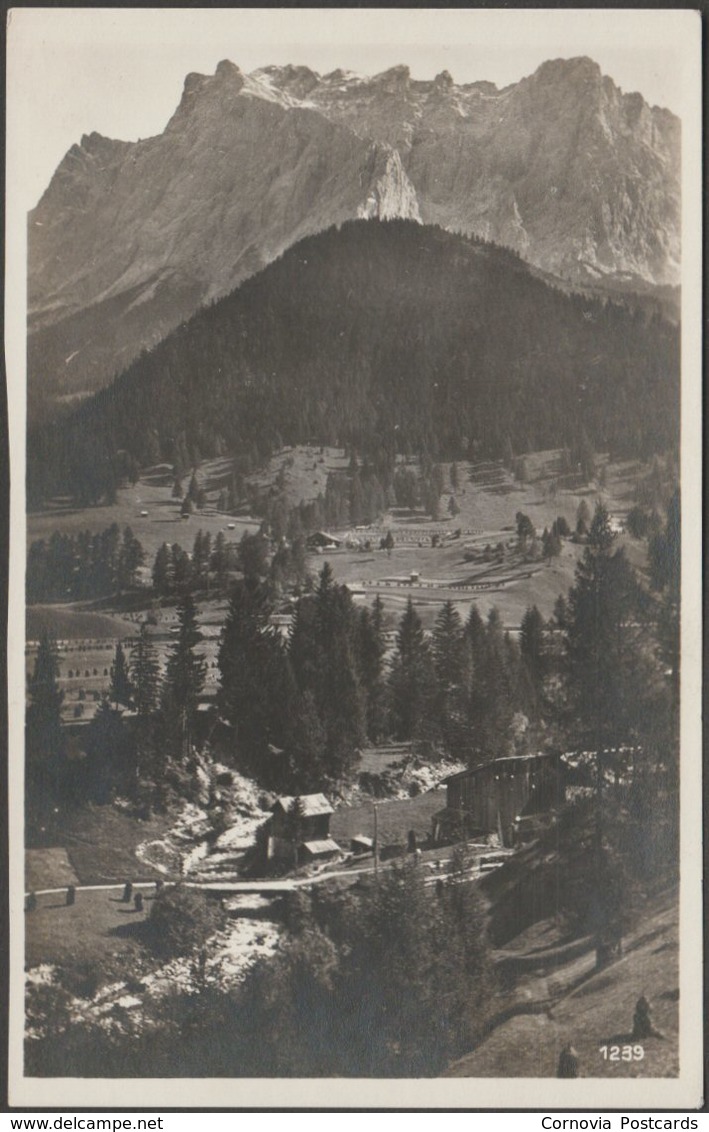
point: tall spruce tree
(121, 688)
(450, 657)
(131, 558)
(145, 678)
(494, 701)
(339, 694)
(254, 692)
(372, 648)
(45, 746)
(145, 674)
(532, 652)
(184, 680)
(162, 571)
(412, 679)
(603, 611)
(307, 746)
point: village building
(301, 825)
(321, 540)
(501, 796)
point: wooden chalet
(306, 832)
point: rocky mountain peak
(394, 80)
(443, 81)
(579, 69)
(229, 71)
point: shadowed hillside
(387, 336)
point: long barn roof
(508, 762)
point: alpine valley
(353, 586)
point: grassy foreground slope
(598, 1012)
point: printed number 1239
(622, 1053)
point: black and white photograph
(355, 580)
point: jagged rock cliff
(131, 238)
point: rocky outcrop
(392, 195)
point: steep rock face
(578, 177)
(131, 238)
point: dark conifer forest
(384, 336)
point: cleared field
(303, 471)
(98, 928)
(67, 623)
(489, 499)
(163, 523)
(512, 600)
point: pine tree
(551, 544)
(602, 636)
(295, 826)
(162, 571)
(493, 698)
(193, 489)
(583, 518)
(131, 558)
(45, 748)
(450, 659)
(145, 674)
(184, 680)
(525, 530)
(201, 556)
(111, 750)
(254, 694)
(121, 689)
(307, 746)
(371, 652)
(253, 555)
(220, 560)
(412, 678)
(532, 652)
(338, 691)
(180, 569)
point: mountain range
(132, 238)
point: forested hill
(389, 336)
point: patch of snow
(42, 976)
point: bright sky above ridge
(120, 71)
